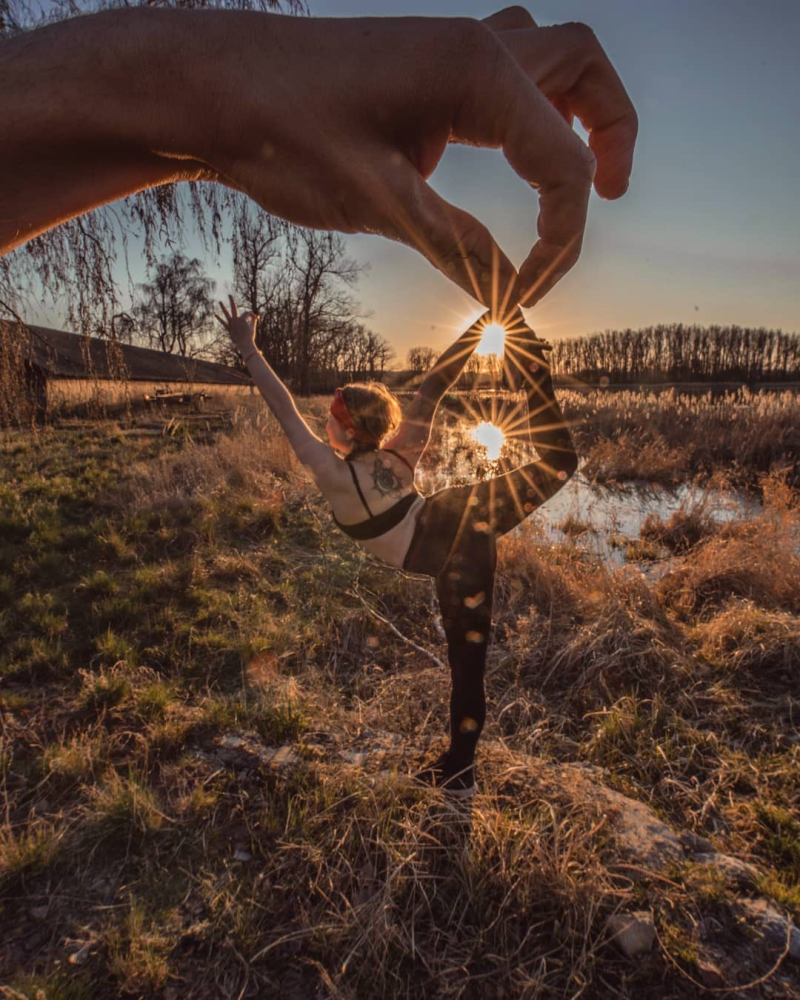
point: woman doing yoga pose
(449, 535)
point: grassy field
(173, 600)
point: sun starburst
(492, 340)
(491, 437)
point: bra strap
(358, 487)
(403, 460)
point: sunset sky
(709, 231)
(710, 228)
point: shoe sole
(456, 793)
(459, 793)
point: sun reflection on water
(491, 437)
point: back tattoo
(385, 480)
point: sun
(493, 340)
(491, 437)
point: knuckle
(582, 33)
(590, 161)
(585, 164)
(517, 15)
(473, 38)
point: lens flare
(491, 437)
(493, 340)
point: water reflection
(467, 442)
(606, 518)
(614, 516)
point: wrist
(183, 54)
(249, 352)
(162, 94)
(100, 106)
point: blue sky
(710, 229)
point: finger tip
(611, 188)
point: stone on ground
(632, 933)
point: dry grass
(665, 436)
(163, 589)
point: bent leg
(518, 492)
(539, 417)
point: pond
(600, 519)
(613, 516)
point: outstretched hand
(241, 329)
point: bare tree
(679, 352)
(320, 269)
(175, 309)
(420, 359)
(380, 354)
(76, 264)
(123, 328)
(257, 244)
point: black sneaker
(444, 777)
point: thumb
(454, 241)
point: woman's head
(363, 415)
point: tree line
(680, 352)
(297, 281)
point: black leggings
(455, 542)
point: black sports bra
(378, 524)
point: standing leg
(465, 589)
(456, 546)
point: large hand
(348, 119)
(330, 123)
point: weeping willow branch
(74, 265)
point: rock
(640, 832)
(737, 872)
(772, 925)
(250, 753)
(39, 912)
(280, 757)
(632, 933)
(646, 838)
(591, 770)
(240, 854)
(232, 742)
(693, 843)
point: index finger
(504, 107)
(570, 66)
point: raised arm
(314, 454)
(412, 435)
